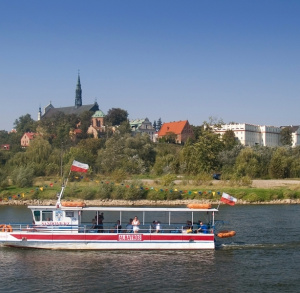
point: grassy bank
(144, 189)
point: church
(97, 122)
(77, 109)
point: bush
(136, 191)
(118, 175)
(23, 177)
(202, 179)
(104, 191)
(156, 195)
(118, 192)
(168, 180)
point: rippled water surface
(263, 257)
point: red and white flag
(79, 167)
(226, 198)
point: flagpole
(63, 186)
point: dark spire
(78, 95)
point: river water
(264, 256)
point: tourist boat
(64, 226)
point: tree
(124, 127)
(159, 124)
(170, 137)
(167, 159)
(116, 116)
(85, 122)
(133, 155)
(25, 124)
(197, 131)
(202, 156)
(286, 136)
(154, 125)
(247, 163)
(280, 163)
(229, 139)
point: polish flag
(79, 167)
(226, 198)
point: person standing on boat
(99, 225)
(135, 224)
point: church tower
(78, 95)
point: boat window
(69, 214)
(37, 215)
(47, 216)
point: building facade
(250, 135)
(182, 131)
(143, 126)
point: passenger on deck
(117, 227)
(129, 226)
(93, 224)
(135, 224)
(188, 227)
(153, 227)
(158, 227)
(200, 228)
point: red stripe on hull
(112, 237)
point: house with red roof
(27, 138)
(179, 131)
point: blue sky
(169, 59)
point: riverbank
(110, 202)
(280, 191)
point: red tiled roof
(31, 135)
(175, 127)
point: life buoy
(6, 228)
(73, 204)
(199, 206)
(226, 234)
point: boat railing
(147, 228)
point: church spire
(78, 93)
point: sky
(234, 60)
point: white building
(250, 135)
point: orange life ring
(199, 206)
(73, 204)
(226, 234)
(6, 228)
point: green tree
(25, 124)
(286, 136)
(202, 156)
(116, 116)
(133, 155)
(280, 163)
(154, 125)
(23, 176)
(167, 159)
(124, 127)
(158, 124)
(229, 139)
(197, 131)
(247, 163)
(85, 122)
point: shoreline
(110, 202)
